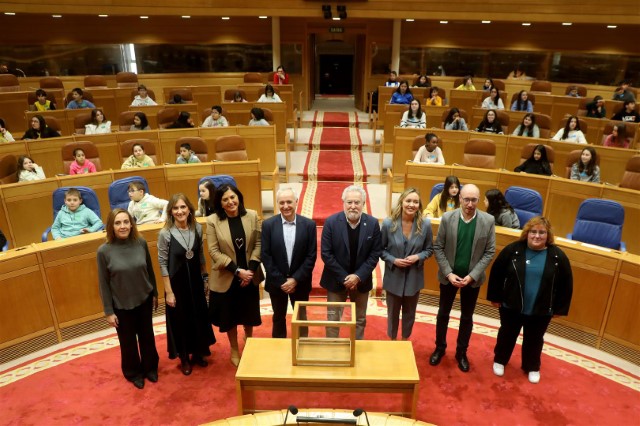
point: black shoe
(185, 367)
(199, 361)
(139, 382)
(463, 362)
(152, 376)
(436, 357)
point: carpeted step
(335, 138)
(335, 119)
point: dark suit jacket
(335, 252)
(274, 253)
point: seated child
(138, 158)
(42, 104)
(145, 208)
(186, 155)
(27, 170)
(81, 165)
(74, 218)
(79, 101)
(216, 119)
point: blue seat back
(526, 202)
(218, 180)
(89, 199)
(119, 191)
(599, 222)
(437, 188)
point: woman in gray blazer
(407, 242)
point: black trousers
(279, 301)
(135, 331)
(468, 298)
(533, 326)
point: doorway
(336, 74)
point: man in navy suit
(289, 251)
(351, 246)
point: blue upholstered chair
(599, 222)
(526, 202)
(437, 188)
(218, 180)
(119, 191)
(89, 199)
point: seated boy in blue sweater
(187, 156)
(74, 218)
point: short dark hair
(186, 146)
(217, 108)
(258, 113)
(217, 201)
(75, 151)
(136, 184)
(78, 91)
(40, 92)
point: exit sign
(336, 29)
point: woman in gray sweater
(128, 291)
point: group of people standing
(530, 282)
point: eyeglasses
(541, 233)
(470, 200)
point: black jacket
(534, 167)
(507, 280)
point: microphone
(293, 409)
(358, 412)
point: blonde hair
(396, 214)
(534, 221)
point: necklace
(538, 253)
(189, 252)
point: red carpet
(335, 166)
(335, 138)
(90, 390)
(320, 200)
(334, 119)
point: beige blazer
(222, 250)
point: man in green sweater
(464, 247)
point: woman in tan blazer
(233, 237)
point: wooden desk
(381, 367)
(270, 418)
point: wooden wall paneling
(59, 114)
(237, 113)
(150, 233)
(29, 209)
(99, 182)
(261, 145)
(76, 296)
(108, 148)
(152, 135)
(12, 108)
(630, 200)
(544, 104)
(155, 177)
(122, 100)
(624, 315)
(16, 148)
(24, 308)
(168, 140)
(47, 153)
(565, 197)
(247, 176)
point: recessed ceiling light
(56, 16)
(186, 17)
(225, 18)
(144, 17)
(409, 20)
(526, 24)
(263, 17)
(444, 22)
(567, 24)
(486, 22)
(10, 13)
(103, 16)
(612, 26)
(336, 18)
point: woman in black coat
(530, 282)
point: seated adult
(467, 84)
(571, 132)
(490, 124)
(393, 80)
(269, 95)
(402, 95)
(628, 113)
(140, 122)
(430, 152)
(596, 109)
(618, 137)
(454, 121)
(5, 135)
(143, 98)
(622, 93)
(522, 103)
(537, 163)
(528, 127)
(42, 103)
(78, 101)
(99, 123)
(39, 129)
(414, 117)
(184, 121)
(493, 101)
(280, 76)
